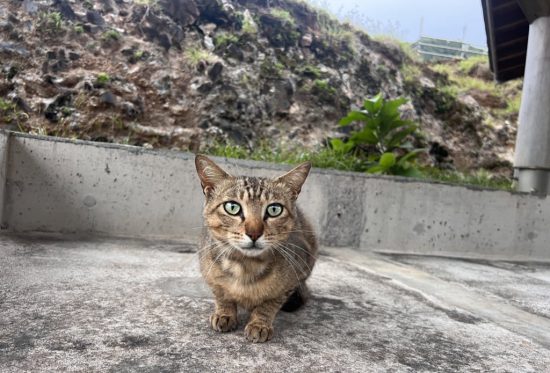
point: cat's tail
(297, 299)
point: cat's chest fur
(250, 282)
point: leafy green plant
(382, 139)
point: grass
(460, 82)
(323, 86)
(331, 159)
(283, 15)
(324, 158)
(410, 73)
(480, 178)
(195, 55)
(514, 104)
(249, 27)
(78, 29)
(463, 83)
(225, 38)
(111, 35)
(146, 2)
(10, 113)
(405, 47)
(50, 22)
(102, 79)
(468, 65)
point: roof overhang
(507, 35)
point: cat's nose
(254, 229)
(254, 235)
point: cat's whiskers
(211, 246)
(287, 259)
(298, 256)
(287, 253)
(301, 248)
(224, 250)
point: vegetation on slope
(233, 76)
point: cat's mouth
(252, 248)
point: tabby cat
(257, 249)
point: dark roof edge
(487, 14)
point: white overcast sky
(448, 19)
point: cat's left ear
(296, 177)
(209, 173)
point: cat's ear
(296, 177)
(209, 173)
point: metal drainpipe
(532, 158)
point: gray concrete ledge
(75, 187)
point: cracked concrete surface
(123, 306)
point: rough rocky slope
(182, 74)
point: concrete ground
(122, 306)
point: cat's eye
(274, 210)
(232, 208)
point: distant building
(432, 49)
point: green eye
(274, 210)
(232, 208)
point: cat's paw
(223, 322)
(258, 332)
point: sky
(448, 19)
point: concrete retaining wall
(56, 185)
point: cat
(257, 248)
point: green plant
(469, 64)
(480, 178)
(146, 2)
(514, 105)
(78, 29)
(111, 35)
(310, 71)
(405, 47)
(283, 15)
(249, 27)
(382, 137)
(10, 113)
(223, 39)
(446, 99)
(196, 55)
(267, 152)
(50, 22)
(410, 73)
(271, 69)
(322, 86)
(102, 79)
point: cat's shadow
(316, 313)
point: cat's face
(252, 215)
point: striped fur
(261, 275)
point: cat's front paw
(223, 322)
(258, 332)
